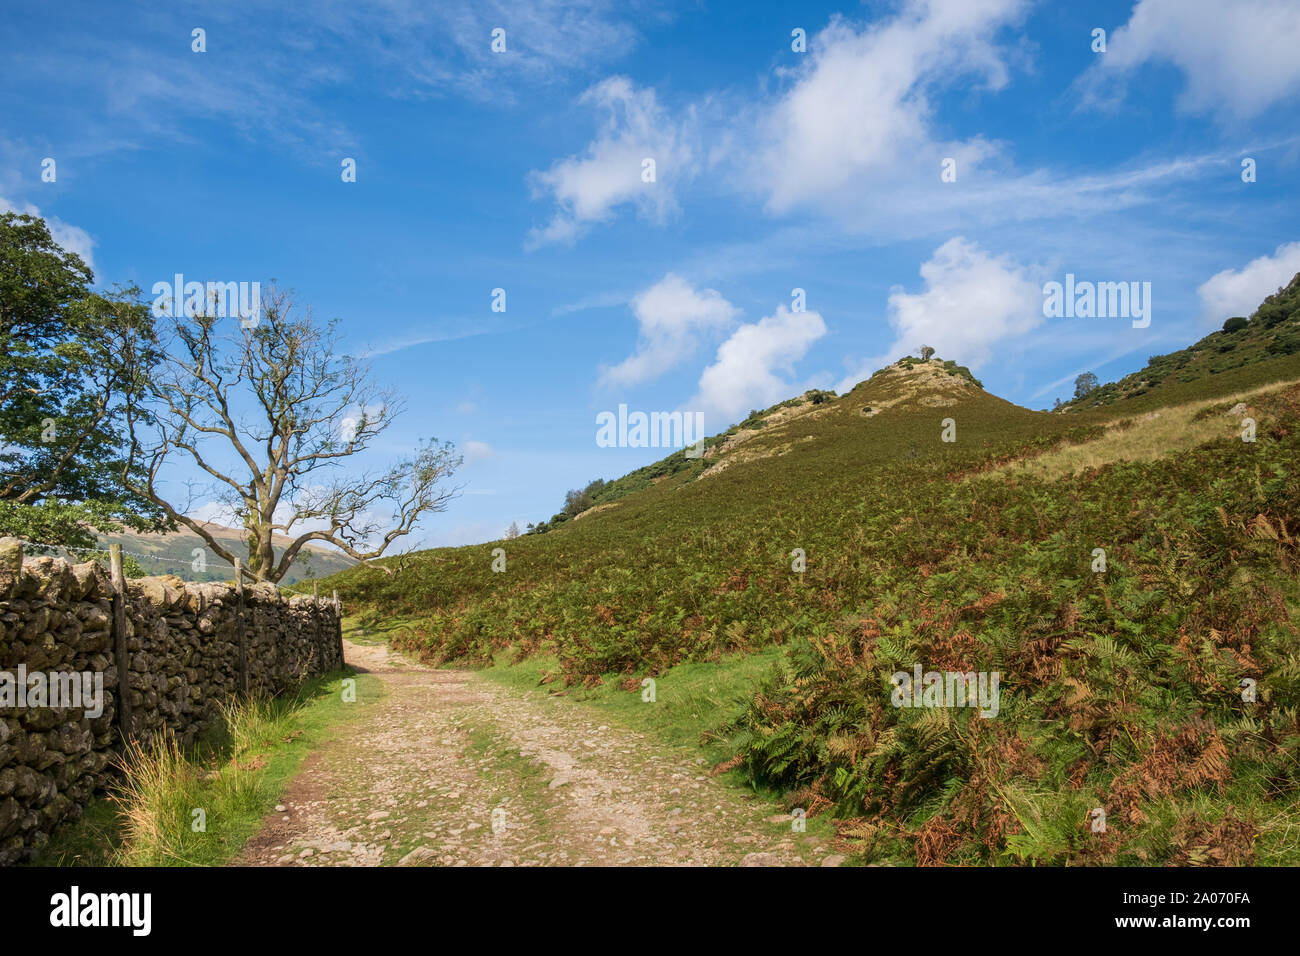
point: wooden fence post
(239, 626)
(315, 592)
(123, 657)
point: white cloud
(859, 113)
(1240, 291)
(972, 300)
(1238, 59)
(744, 373)
(587, 188)
(672, 316)
(853, 134)
(71, 238)
(478, 451)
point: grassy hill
(1265, 344)
(1121, 683)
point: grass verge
(199, 806)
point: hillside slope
(1127, 606)
(1262, 346)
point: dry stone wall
(183, 648)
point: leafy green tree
(1084, 384)
(926, 352)
(64, 392)
(1235, 324)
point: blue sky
(774, 170)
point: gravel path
(449, 769)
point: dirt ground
(449, 769)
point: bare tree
(512, 532)
(270, 413)
(395, 564)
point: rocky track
(446, 768)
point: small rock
(420, 856)
(833, 860)
(760, 859)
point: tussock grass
(158, 787)
(235, 775)
(164, 792)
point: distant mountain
(174, 554)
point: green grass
(236, 775)
(692, 700)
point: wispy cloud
(462, 329)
